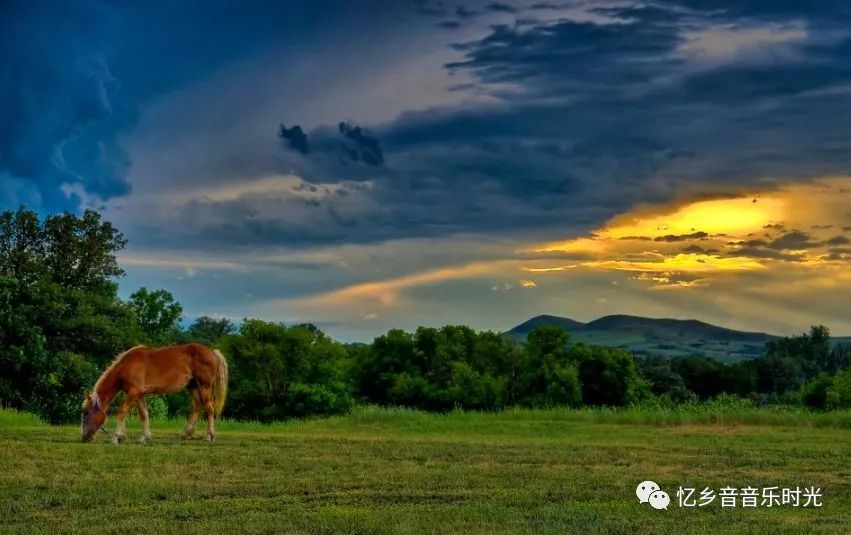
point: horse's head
(93, 416)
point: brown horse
(140, 371)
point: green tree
(60, 316)
(662, 379)
(827, 391)
(378, 365)
(207, 330)
(502, 359)
(609, 376)
(815, 392)
(550, 375)
(839, 393)
(158, 315)
(280, 372)
(791, 361)
(438, 369)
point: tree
(438, 369)
(827, 391)
(378, 365)
(207, 330)
(60, 316)
(280, 372)
(815, 392)
(550, 376)
(503, 359)
(158, 315)
(789, 362)
(609, 376)
(662, 379)
(839, 393)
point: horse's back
(171, 368)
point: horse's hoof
(144, 439)
(118, 439)
(208, 438)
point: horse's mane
(112, 365)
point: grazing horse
(140, 371)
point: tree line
(62, 322)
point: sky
(369, 165)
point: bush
(280, 372)
(157, 407)
(814, 393)
(839, 393)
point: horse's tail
(220, 385)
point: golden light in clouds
(790, 239)
(658, 238)
(755, 231)
(691, 263)
(716, 217)
(721, 216)
(387, 292)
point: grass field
(385, 470)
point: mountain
(567, 324)
(649, 336)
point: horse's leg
(123, 410)
(192, 420)
(142, 407)
(207, 398)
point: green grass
(13, 418)
(396, 470)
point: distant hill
(649, 336)
(526, 327)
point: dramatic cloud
(55, 88)
(296, 138)
(682, 145)
(793, 240)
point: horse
(140, 371)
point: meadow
(403, 471)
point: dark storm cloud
(593, 118)
(573, 58)
(54, 85)
(361, 146)
(501, 8)
(640, 90)
(819, 11)
(75, 74)
(463, 12)
(449, 25)
(582, 120)
(352, 144)
(295, 138)
(544, 5)
(431, 8)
